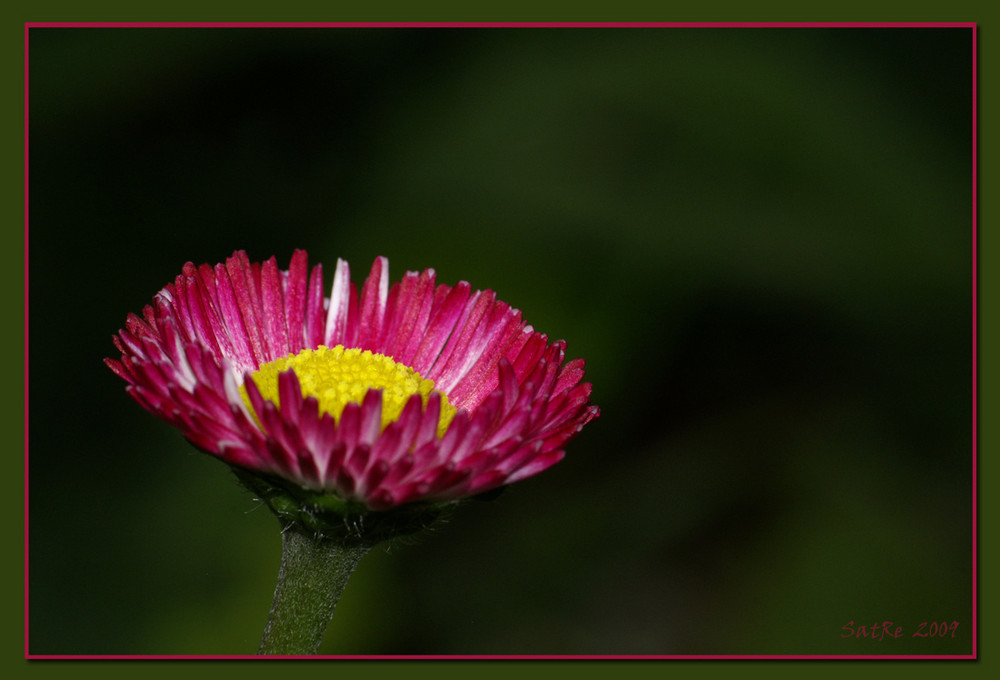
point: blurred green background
(759, 239)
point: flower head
(414, 392)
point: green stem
(314, 573)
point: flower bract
(395, 394)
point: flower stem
(314, 573)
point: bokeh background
(759, 239)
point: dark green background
(759, 239)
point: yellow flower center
(338, 376)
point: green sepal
(327, 515)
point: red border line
(498, 24)
(975, 343)
(523, 657)
(972, 25)
(26, 339)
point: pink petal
(245, 290)
(243, 352)
(519, 401)
(340, 302)
(295, 301)
(273, 309)
(374, 295)
(315, 322)
(442, 323)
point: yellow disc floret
(337, 376)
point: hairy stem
(314, 573)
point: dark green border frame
(988, 312)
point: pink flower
(465, 397)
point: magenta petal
(349, 427)
(371, 417)
(569, 375)
(398, 437)
(440, 327)
(461, 351)
(119, 369)
(243, 353)
(352, 471)
(531, 352)
(315, 318)
(395, 474)
(519, 400)
(376, 473)
(345, 482)
(537, 462)
(512, 426)
(334, 461)
(374, 296)
(273, 308)
(413, 322)
(428, 421)
(389, 316)
(191, 312)
(289, 392)
(340, 304)
(245, 291)
(213, 316)
(295, 301)
(482, 377)
(390, 445)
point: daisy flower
(414, 392)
